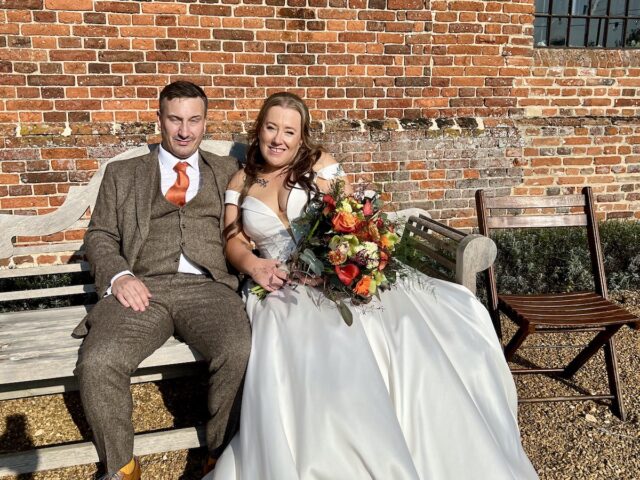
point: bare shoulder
(237, 181)
(325, 160)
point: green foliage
(45, 281)
(557, 259)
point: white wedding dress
(416, 388)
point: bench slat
(82, 453)
(431, 253)
(47, 292)
(50, 270)
(433, 240)
(52, 365)
(61, 385)
(442, 229)
(76, 312)
(29, 332)
(54, 355)
(48, 248)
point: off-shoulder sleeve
(231, 197)
(331, 171)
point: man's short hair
(182, 89)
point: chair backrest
(536, 212)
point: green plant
(557, 259)
(43, 282)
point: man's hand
(131, 292)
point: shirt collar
(168, 161)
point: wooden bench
(38, 354)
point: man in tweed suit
(156, 251)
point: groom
(155, 247)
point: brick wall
(427, 99)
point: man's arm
(102, 240)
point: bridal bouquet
(346, 245)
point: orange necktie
(178, 192)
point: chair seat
(581, 309)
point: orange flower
(344, 222)
(363, 286)
(389, 240)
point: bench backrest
(23, 260)
(441, 251)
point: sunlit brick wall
(427, 100)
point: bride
(416, 388)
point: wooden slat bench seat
(38, 353)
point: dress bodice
(262, 225)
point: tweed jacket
(121, 217)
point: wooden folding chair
(557, 312)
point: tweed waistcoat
(193, 230)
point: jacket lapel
(146, 181)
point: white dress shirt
(168, 177)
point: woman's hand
(268, 275)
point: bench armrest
(461, 255)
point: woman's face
(280, 136)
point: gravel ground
(567, 440)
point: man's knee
(102, 361)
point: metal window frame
(548, 16)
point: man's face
(182, 124)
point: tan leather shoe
(209, 465)
(120, 475)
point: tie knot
(181, 167)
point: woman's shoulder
(325, 160)
(237, 181)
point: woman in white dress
(416, 388)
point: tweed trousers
(207, 315)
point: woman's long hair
(301, 169)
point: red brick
(167, 8)
(202, 33)
(95, 31)
(45, 30)
(117, 7)
(210, 10)
(23, 202)
(146, 31)
(21, 4)
(56, 80)
(78, 104)
(69, 4)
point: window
(587, 24)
